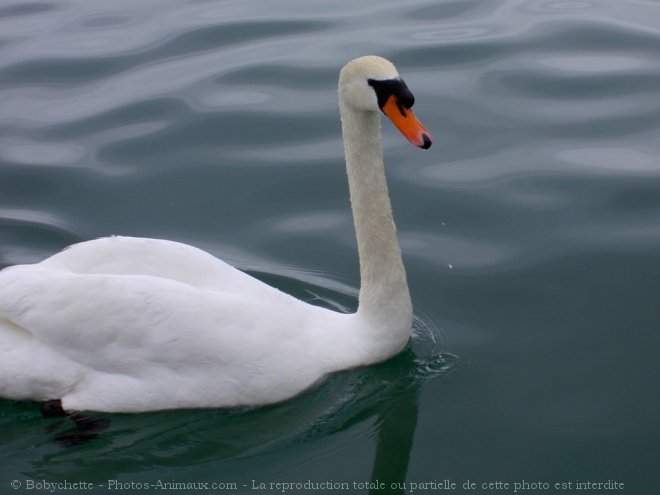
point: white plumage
(128, 324)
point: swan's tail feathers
(30, 370)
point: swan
(122, 324)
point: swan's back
(119, 255)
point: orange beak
(404, 119)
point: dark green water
(530, 230)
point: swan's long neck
(384, 304)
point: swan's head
(372, 84)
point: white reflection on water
(593, 63)
(35, 153)
(612, 160)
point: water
(530, 230)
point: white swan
(124, 324)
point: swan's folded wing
(117, 323)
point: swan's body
(128, 324)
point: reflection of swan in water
(396, 430)
(130, 325)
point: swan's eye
(388, 87)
